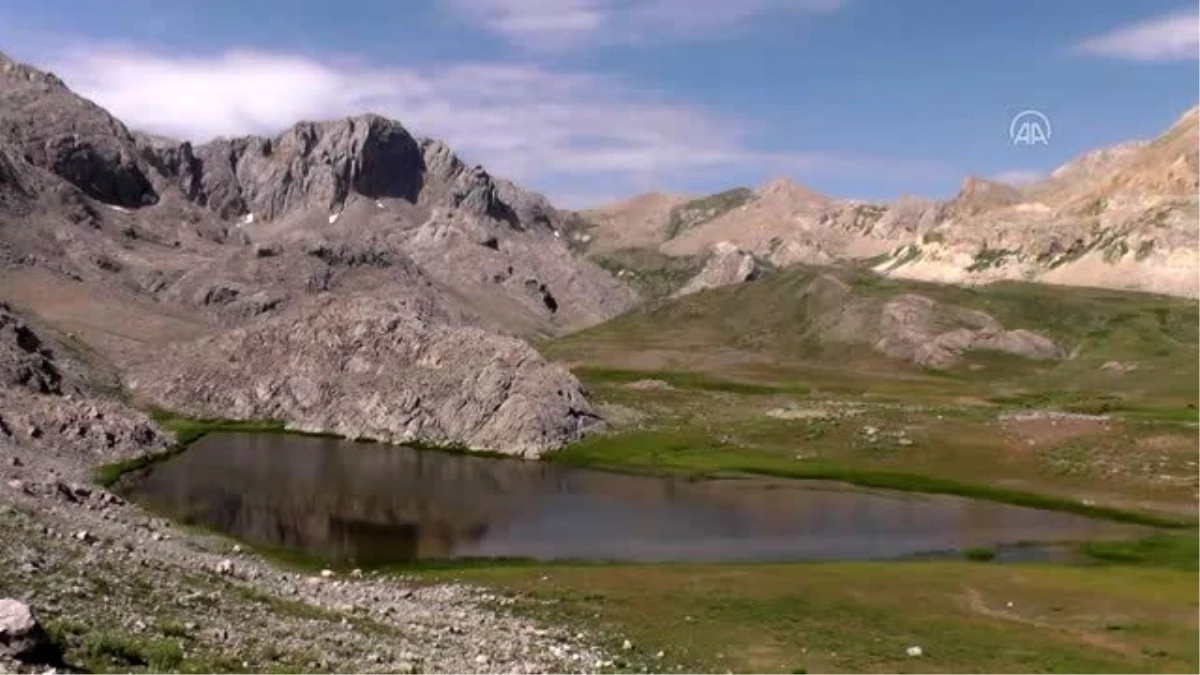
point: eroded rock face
(373, 369)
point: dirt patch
(649, 385)
(1038, 433)
(975, 602)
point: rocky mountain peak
(50, 127)
(981, 194)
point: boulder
(21, 636)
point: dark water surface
(363, 504)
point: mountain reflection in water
(367, 505)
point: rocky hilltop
(339, 239)
(1122, 217)
(371, 369)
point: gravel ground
(120, 589)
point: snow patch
(333, 218)
(379, 204)
(248, 218)
(120, 209)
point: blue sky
(593, 100)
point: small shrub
(113, 647)
(173, 628)
(979, 554)
(164, 655)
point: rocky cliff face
(149, 241)
(53, 129)
(368, 369)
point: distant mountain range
(1122, 217)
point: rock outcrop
(373, 369)
(54, 129)
(55, 402)
(928, 333)
(21, 636)
(912, 327)
(728, 265)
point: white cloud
(562, 24)
(1165, 38)
(551, 130)
(1020, 176)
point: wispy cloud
(576, 131)
(541, 25)
(1171, 37)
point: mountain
(164, 257)
(1121, 217)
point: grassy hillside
(767, 331)
(753, 379)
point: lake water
(367, 505)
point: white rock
(83, 535)
(237, 548)
(482, 659)
(225, 567)
(914, 651)
(326, 574)
(19, 629)
(627, 645)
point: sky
(590, 101)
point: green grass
(684, 380)
(861, 617)
(653, 274)
(699, 211)
(109, 648)
(1174, 551)
(979, 554)
(695, 455)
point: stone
(225, 567)
(326, 574)
(914, 651)
(627, 645)
(84, 536)
(21, 636)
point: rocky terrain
(373, 369)
(142, 246)
(258, 277)
(115, 588)
(1121, 217)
